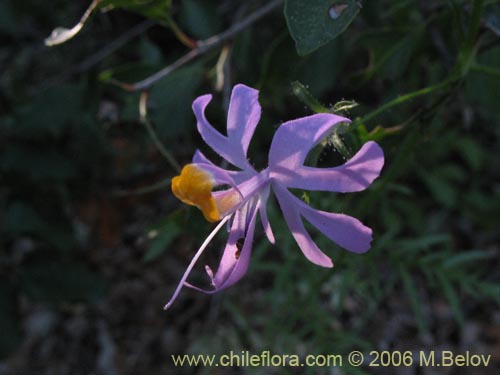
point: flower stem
(486, 70)
(202, 47)
(403, 98)
(144, 120)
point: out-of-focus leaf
(154, 9)
(7, 18)
(42, 165)
(10, 326)
(317, 22)
(483, 90)
(411, 291)
(491, 290)
(22, 219)
(471, 151)
(423, 242)
(150, 53)
(166, 235)
(441, 182)
(320, 69)
(171, 99)
(55, 282)
(391, 52)
(466, 258)
(452, 297)
(50, 112)
(199, 18)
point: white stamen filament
(194, 260)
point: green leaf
(472, 151)
(50, 112)
(7, 19)
(56, 282)
(451, 296)
(171, 99)
(465, 258)
(21, 219)
(154, 9)
(490, 290)
(424, 242)
(199, 18)
(411, 290)
(482, 90)
(319, 70)
(40, 165)
(165, 237)
(314, 23)
(390, 51)
(442, 190)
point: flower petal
(243, 116)
(200, 251)
(346, 231)
(293, 140)
(292, 217)
(237, 176)
(263, 215)
(236, 257)
(355, 175)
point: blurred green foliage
(426, 76)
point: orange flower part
(194, 187)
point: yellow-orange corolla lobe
(194, 187)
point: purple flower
(245, 191)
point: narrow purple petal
(237, 176)
(263, 215)
(346, 231)
(243, 115)
(236, 257)
(200, 251)
(233, 148)
(293, 140)
(292, 217)
(355, 175)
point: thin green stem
(305, 96)
(181, 36)
(458, 20)
(467, 53)
(144, 120)
(202, 47)
(477, 14)
(403, 98)
(486, 70)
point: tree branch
(202, 47)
